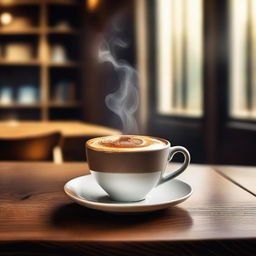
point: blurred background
(184, 70)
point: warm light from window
(179, 57)
(242, 59)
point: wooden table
(36, 217)
(75, 134)
(68, 129)
(240, 175)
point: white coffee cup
(128, 167)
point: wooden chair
(41, 147)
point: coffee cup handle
(172, 152)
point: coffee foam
(126, 143)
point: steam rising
(123, 102)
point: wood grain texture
(243, 176)
(36, 217)
(14, 129)
(180, 248)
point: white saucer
(85, 191)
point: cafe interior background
(184, 70)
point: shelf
(18, 2)
(4, 62)
(37, 31)
(63, 2)
(39, 105)
(37, 2)
(20, 31)
(20, 105)
(61, 31)
(8, 3)
(68, 64)
(64, 105)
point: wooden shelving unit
(20, 105)
(38, 2)
(68, 64)
(4, 62)
(66, 105)
(62, 31)
(18, 2)
(27, 31)
(41, 71)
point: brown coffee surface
(123, 143)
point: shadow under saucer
(75, 217)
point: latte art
(126, 143)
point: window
(179, 60)
(242, 58)
(201, 77)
